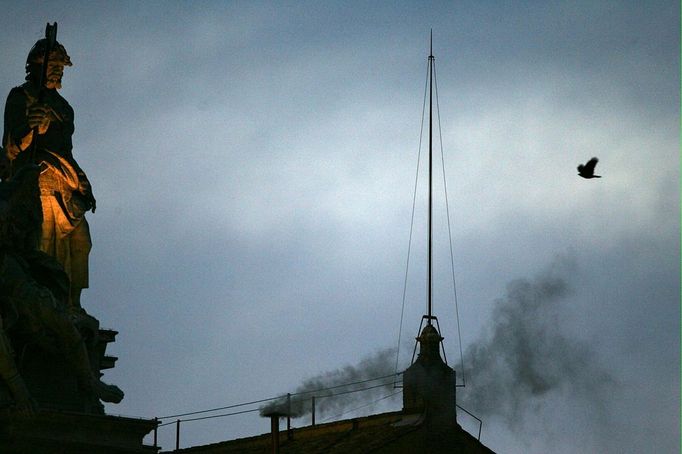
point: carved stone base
(51, 380)
(53, 432)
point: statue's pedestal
(53, 432)
(50, 379)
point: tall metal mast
(431, 61)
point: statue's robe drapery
(65, 232)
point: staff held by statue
(50, 41)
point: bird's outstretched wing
(591, 164)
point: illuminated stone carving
(51, 351)
(38, 129)
(35, 317)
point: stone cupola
(429, 383)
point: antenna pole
(429, 299)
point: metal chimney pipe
(289, 434)
(313, 410)
(274, 429)
(177, 434)
(156, 433)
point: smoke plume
(524, 356)
(334, 390)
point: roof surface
(383, 433)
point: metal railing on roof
(302, 396)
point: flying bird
(587, 170)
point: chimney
(429, 383)
(274, 429)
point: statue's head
(55, 65)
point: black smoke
(338, 391)
(525, 356)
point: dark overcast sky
(254, 167)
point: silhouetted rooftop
(393, 433)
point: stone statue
(38, 129)
(51, 351)
(34, 292)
